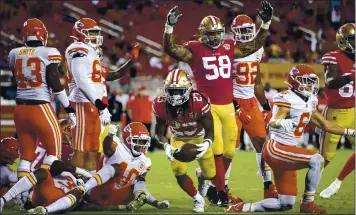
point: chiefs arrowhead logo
(141, 166)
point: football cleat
(137, 203)
(38, 210)
(271, 192)
(311, 207)
(212, 195)
(235, 207)
(223, 198)
(203, 186)
(331, 190)
(2, 203)
(199, 203)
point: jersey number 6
(223, 68)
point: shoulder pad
(329, 58)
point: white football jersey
(65, 181)
(132, 166)
(90, 76)
(7, 175)
(300, 113)
(30, 64)
(244, 73)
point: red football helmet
(86, 30)
(9, 150)
(244, 28)
(34, 29)
(304, 80)
(137, 138)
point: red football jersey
(183, 122)
(343, 97)
(212, 70)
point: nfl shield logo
(226, 46)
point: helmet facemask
(213, 38)
(177, 95)
(349, 44)
(308, 85)
(139, 144)
(245, 33)
(93, 37)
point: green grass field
(244, 183)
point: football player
(187, 112)
(46, 185)
(35, 68)
(292, 111)
(247, 87)
(339, 73)
(121, 180)
(87, 90)
(210, 58)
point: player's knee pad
(287, 202)
(178, 168)
(218, 147)
(317, 161)
(229, 153)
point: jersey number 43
(33, 80)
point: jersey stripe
(175, 76)
(271, 146)
(212, 19)
(284, 104)
(78, 49)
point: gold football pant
(341, 117)
(225, 130)
(206, 163)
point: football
(186, 153)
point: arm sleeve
(80, 71)
(328, 58)
(53, 56)
(11, 59)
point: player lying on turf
(121, 180)
(210, 58)
(47, 186)
(292, 111)
(188, 114)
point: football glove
(287, 124)
(113, 130)
(105, 117)
(266, 13)
(203, 148)
(172, 18)
(135, 52)
(169, 150)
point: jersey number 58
(221, 66)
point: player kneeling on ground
(188, 114)
(292, 111)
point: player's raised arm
(125, 68)
(329, 126)
(174, 50)
(245, 49)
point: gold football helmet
(212, 31)
(345, 38)
(178, 86)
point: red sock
(220, 173)
(227, 163)
(348, 168)
(186, 183)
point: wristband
(62, 98)
(266, 25)
(99, 104)
(209, 141)
(266, 106)
(168, 29)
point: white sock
(227, 174)
(197, 196)
(101, 177)
(62, 204)
(24, 168)
(24, 184)
(337, 182)
(267, 176)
